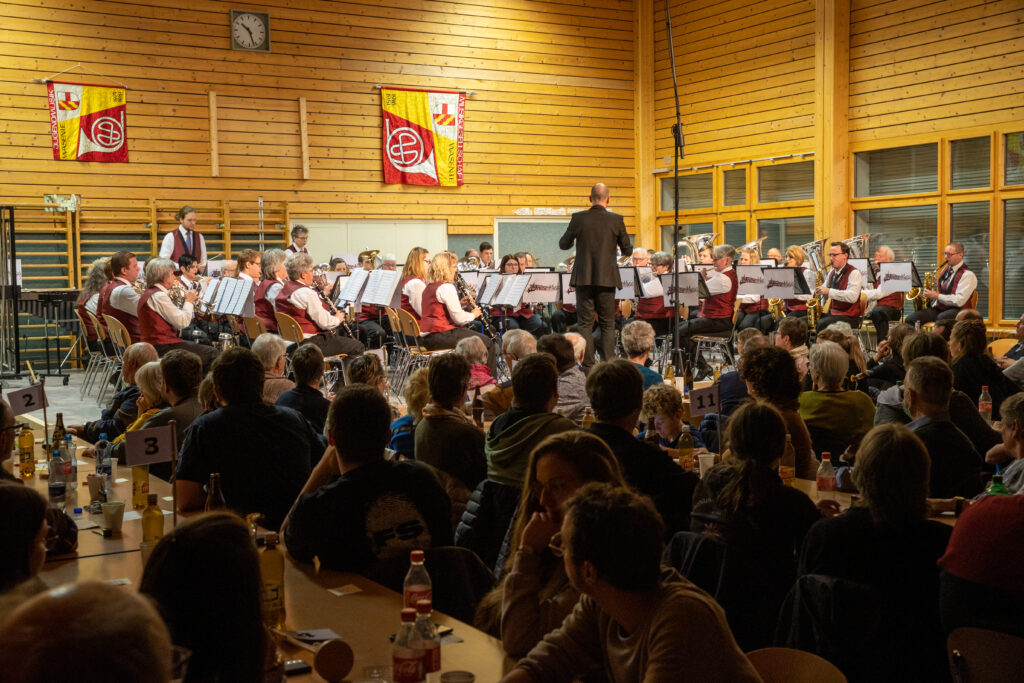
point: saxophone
(814, 303)
(775, 308)
(917, 293)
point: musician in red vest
(320, 326)
(889, 306)
(652, 309)
(118, 298)
(715, 313)
(442, 318)
(274, 277)
(957, 285)
(249, 265)
(185, 240)
(300, 235)
(842, 285)
(89, 301)
(373, 324)
(796, 258)
(753, 307)
(161, 321)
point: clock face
(249, 31)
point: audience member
(270, 349)
(473, 350)
(515, 346)
(771, 377)
(8, 435)
(955, 464)
(616, 393)
(204, 577)
(886, 366)
(664, 417)
(638, 343)
(579, 345)
(944, 328)
(262, 453)
(841, 333)
(122, 410)
(368, 369)
(1012, 433)
(886, 542)
(403, 430)
(733, 389)
(791, 335)
(973, 367)
(835, 417)
(88, 632)
(306, 398)
(23, 541)
(151, 398)
(1010, 362)
(358, 508)
(635, 620)
(206, 395)
(572, 383)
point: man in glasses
(957, 286)
(842, 287)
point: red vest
(180, 248)
(265, 307)
(367, 312)
(130, 322)
(950, 287)
(90, 331)
(652, 307)
(292, 250)
(720, 306)
(155, 329)
(761, 305)
(300, 315)
(895, 300)
(851, 310)
(569, 308)
(406, 304)
(798, 304)
(435, 314)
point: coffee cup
(113, 515)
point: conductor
(595, 275)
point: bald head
(135, 356)
(599, 194)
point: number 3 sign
(28, 399)
(147, 446)
(704, 401)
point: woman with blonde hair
(753, 307)
(535, 595)
(442, 317)
(414, 280)
(796, 258)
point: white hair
(579, 345)
(268, 347)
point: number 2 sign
(704, 401)
(27, 400)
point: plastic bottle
(588, 418)
(428, 640)
(406, 658)
(71, 468)
(27, 453)
(985, 404)
(102, 455)
(272, 574)
(214, 494)
(140, 486)
(718, 373)
(787, 466)
(417, 584)
(57, 485)
(826, 478)
(996, 487)
(152, 520)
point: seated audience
(204, 577)
(88, 632)
(270, 349)
(473, 350)
(1012, 433)
(886, 366)
(367, 369)
(982, 579)
(635, 620)
(207, 397)
(841, 333)
(885, 541)
(973, 367)
(572, 383)
(944, 328)
(733, 389)
(122, 410)
(791, 335)
(771, 377)
(23, 541)
(664, 417)
(955, 465)
(1011, 362)
(535, 594)
(8, 436)
(403, 430)
(306, 398)
(151, 398)
(358, 508)
(616, 393)
(579, 345)
(263, 453)
(835, 417)
(515, 346)
(638, 343)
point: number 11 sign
(704, 401)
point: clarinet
(333, 309)
(485, 317)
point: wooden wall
(920, 67)
(746, 79)
(552, 110)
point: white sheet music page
(380, 289)
(568, 291)
(354, 286)
(512, 293)
(649, 285)
(544, 288)
(688, 292)
(491, 286)
(628, 276)
(750, 280)
(895, 277)
(779, 283)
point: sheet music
(474, 278)
(689, 292)
(864, 266)
(897, 276)
(512, 291)
(537, 269)
(627, 274)
(209, 292)
(353, 286)
(750, 280)
(235, 297)
(768, 263)
(351, 260)
(381, 287)
(645, 278)
(491, 286)
(779, 283)
(683, 264)
(544, 288)
(568, 292)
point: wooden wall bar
(553, 108)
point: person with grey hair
(652, 309)
(319, 325)
(715, 314)
(579, 345)
(185, 240)
(515, 346)
(1012, 432)
(888, 306)
(638, 342)
(300, 235)
(89, 302)
(474, 350)
(274, 277)
(389, 262)
(121, 411)
(160, 320)
(270, 349)
(835, 418)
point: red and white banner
(423, 134)
(88, 122)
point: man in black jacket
(595, 274)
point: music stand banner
(897, 276)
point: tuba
(691, 246)
(566, 265)
(371, 255)
(858, 245)
(755, 245)
(468, 263)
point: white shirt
(718, 282)
(853, 286)
(298, 249)
(449, 296)
(167, 246)
(92, 304)
(414, 291)
(245, 276)
(307, 298)
(124, 298)
(968, 283)
(272, 292)
(178, 318)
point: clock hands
(250, 33)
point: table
(846, 499)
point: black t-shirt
(378, 511)
(309, 403)
(263, 453)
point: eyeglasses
(947, 254)
(832, 254)
(555, 545)
(16, 427)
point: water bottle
(417, 584)
(406, 658)
(985, 405)
(428, 641)
(103, 466)
(71, 467)
(826, 478)
(996, 487)
(57, 485)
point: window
(910, 231)
(902, 170)
(969, 223)
(782, 233)
(735, 182)
(785, 182)
(1013, 159)
(1013, 259)
(684, 231)
(970, 163)
(695, 192)
(735, 233)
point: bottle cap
(151, 499)
(424, 606)
(408, 614)
(984, 387)
(416, 556)
(78, 511)
(67, 437)
(825, 455)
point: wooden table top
(846, 499)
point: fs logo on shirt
(394, 527)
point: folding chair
(403, 357)
(288, 328)
(96, 359)
(109, 361)
(254, 327)
(120, 339)
(419, 356)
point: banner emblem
(87, 122)
(423, 135)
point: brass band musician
(842, 285)
(653, 309)
(796, 258)
(957, 287)
(300, 235)
(249, 265)
(714, 314)
(185, 240)
(442, 317)
(118, 298)
(319, 324)
(889, 306)
(160, 320)
(274, 277)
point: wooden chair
(96, 359)
(254, 327)
(978, 655)
(120, 339)
(999, 347)
(784, 665)
(403, 357)
(288, 328)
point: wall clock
(250, 31)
